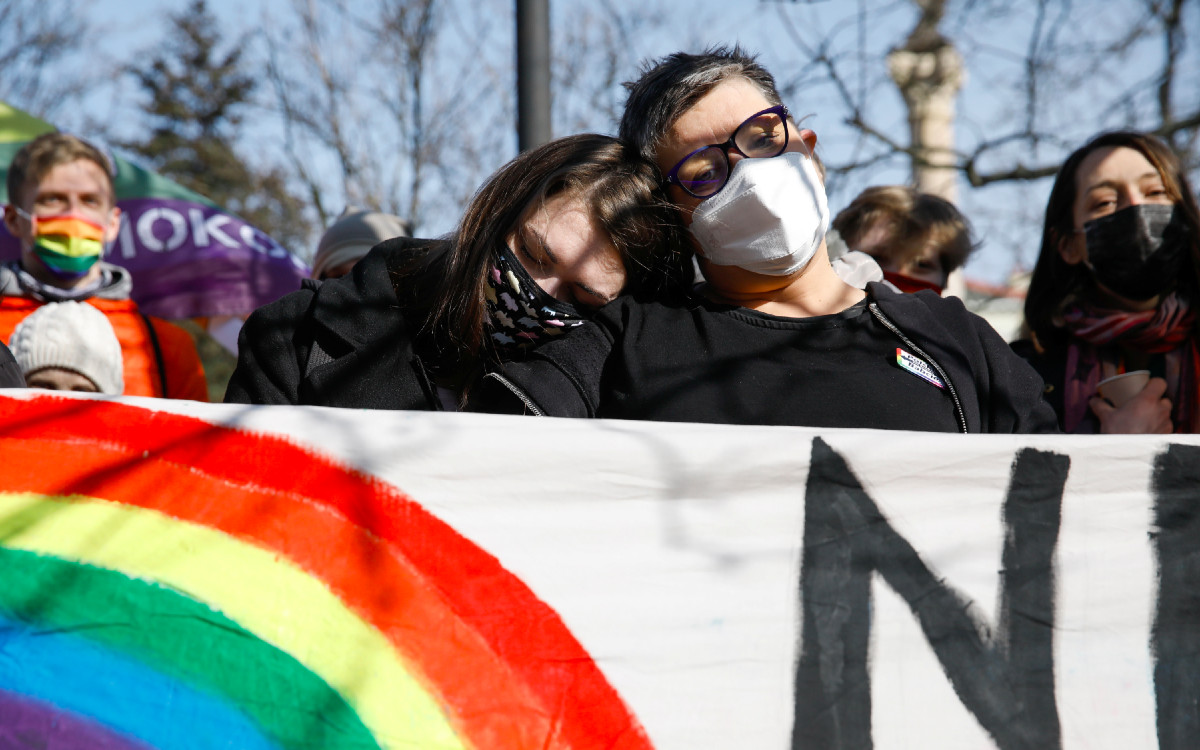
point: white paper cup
(1120, 388)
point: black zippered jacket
(357, 342)
(354, 342)
(666, 351)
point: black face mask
(521, 315)
(1137, 252)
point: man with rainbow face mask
(63, 212)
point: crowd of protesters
(687, 270)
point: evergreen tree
(198, 94)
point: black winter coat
(355, 342)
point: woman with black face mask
(1115, 288)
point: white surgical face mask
(769, 218)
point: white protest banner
(192, 575)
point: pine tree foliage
(199, 92)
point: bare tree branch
(36, 35)
(290, 146)
(1042, 77)
(380, 107)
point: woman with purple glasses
(554, 235)
(773, 335)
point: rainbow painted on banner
(166, 583)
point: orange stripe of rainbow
(70, 226)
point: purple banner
(191, 260)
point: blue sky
(1007, 219)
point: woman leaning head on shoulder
(1116, 286)
(551, 237)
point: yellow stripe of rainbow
(251, 586)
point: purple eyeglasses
(703, 172)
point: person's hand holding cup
(1133, 403)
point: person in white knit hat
(69, 346)
(351, 237)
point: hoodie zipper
(516, 391)
(962, 417)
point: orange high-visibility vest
(181, 371)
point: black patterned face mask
(521, 315)
(1137, 252)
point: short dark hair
(620, 191)
(915, 221)
(49, 150)
(1055, 283)
(670, 86)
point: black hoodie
(705, 362)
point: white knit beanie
(74, 336)
(353, 235)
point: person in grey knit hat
(351, 237)
(69, 346)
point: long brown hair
(619, 189)
(1055, 282)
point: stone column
(929, 80)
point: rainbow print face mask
(67, 244)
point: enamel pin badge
(918, 367)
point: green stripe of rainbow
(236, 665)
(253, 586)
(492, 661)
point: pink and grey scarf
(1100, 334)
